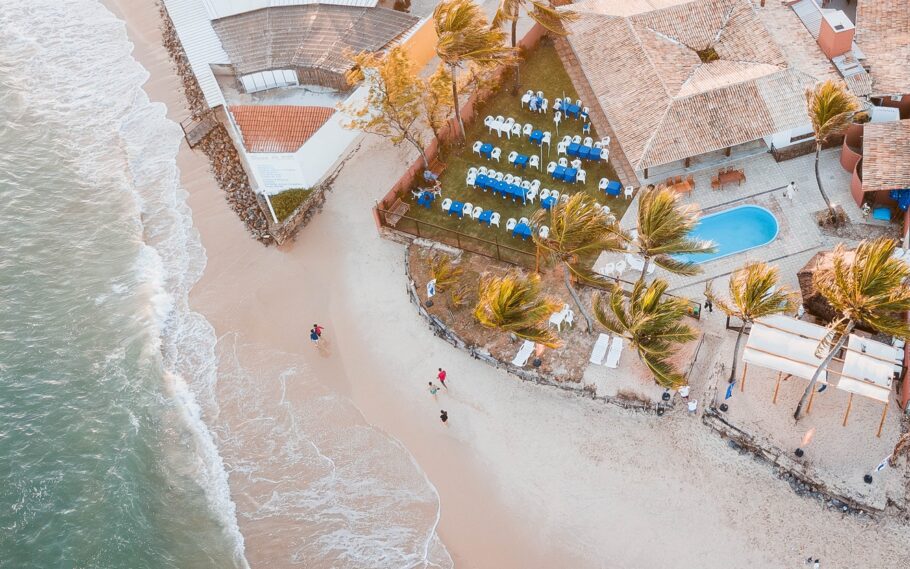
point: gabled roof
(883, 35)
(886, 156)
(307, 36)
(278, 128)
(663, 101)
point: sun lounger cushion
(614, 353)
(600, 349)
(521, 358)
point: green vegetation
(514, 303)
(287, 201)
(542, 71)
(831, 108)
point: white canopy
(787, 345)
(869, 368)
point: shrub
(287, 201)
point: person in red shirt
(441, 376)
(318, 329)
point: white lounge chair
(524, 354)
(614, 354)
(600, 349)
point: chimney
(836, 34)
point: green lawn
(541, 71)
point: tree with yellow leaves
(394, 104)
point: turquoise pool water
(733, 231)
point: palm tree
(664, 225)
(579, 229)
(444, 272)
(831, 107)
(545, 14)
(651, 322)
(464, 36)
(514, 303)
(868, 289)
(753, 294)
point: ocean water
(119, 428)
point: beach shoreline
(526, 477)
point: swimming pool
(733, 231)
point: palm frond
(514, 303)
(444, 272)
(664, 225)
(831, 107)
(463, 35)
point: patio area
(515, 160)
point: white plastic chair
(516, 129)
(620, 267)
(588, 141)
(570, 315)
(629, 191)
(540, 94)
(507, 127)
(472, 171)
(446, 204)
(561, 148)
(483, 170)
(534, 162)
(554, 194)
(535, 185)
(544, 105)
(494, 219)
(581, 177)
(563, 162)
(499, 176)
(490, 123)
(606, 210)
(495, 154)
(598, 144)
(470, 180)
(511, 223)
(516, 180)
(557, 105)
(544, 231)
(576, 139)
(584, 112)
(477, 146)
(578, 103)
(523, 220)
(509, 178)
(512, 156)
(546, 139)
(527, 130)
(551, 167)
(544, 194)
(564, 198)
(605, 141)
(557, 118)
(531, 194)
(567, 140)
(526, 185)
(605, 154)
(602, 185)
(525, 99)
(467, 209)
(477, 211)
(576, 163)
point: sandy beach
(526, 476)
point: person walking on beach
(444, 417)
(709, 306)
(441, 376)
(433, 390)
(314, 335)
(318, 329)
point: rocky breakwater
(217, 144)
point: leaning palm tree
(464, 37)
(578, 230)
(831, 107)
(753, 293)
(663, 230)
(651, 321)
(545, 14)
(868, 289)
(514, 303)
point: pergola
(788, 346)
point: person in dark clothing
(444, 417)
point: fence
(398, 221)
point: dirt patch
(565, 364)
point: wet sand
(527, 476)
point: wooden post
(809, 406)
(742, 382)
(882, 424)
(688, 161)
(727, 152)
(646, 170)
(847, 414)
(777, 387)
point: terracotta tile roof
(883, 35)
(886, 156)
(308, 36)
(276, 128)
(662, 101)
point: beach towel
(615, 353)
(600, 349)
(521, 358)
